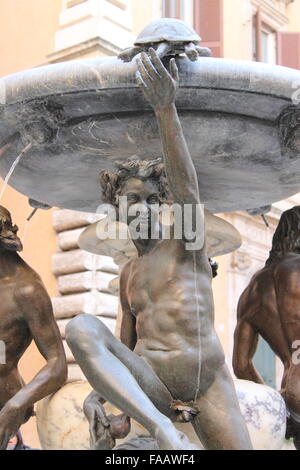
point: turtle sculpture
(169, 37)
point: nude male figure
(25, 315)
(170, 365)
(270, 306)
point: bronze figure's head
(8, 232)
(287, 235)
(138, 183)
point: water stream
(25, 231)
(13, 167)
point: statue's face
(139, 195)
(8, 234)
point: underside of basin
(238, 119)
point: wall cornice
(96, 45)
(103, 26)
(271, 13)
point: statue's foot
(128, 54)
(169, 438)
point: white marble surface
(62, 425)
(265, 414)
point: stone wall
(82, 279)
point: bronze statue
(170, 365)
(270, 307)
(25, 315)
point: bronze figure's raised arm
(159, 87)
(25, 315)
(172, 367)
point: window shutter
(288, 53)
(208, 17)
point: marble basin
(239, 119)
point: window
(181, 9)
(264, 41)
(268, 39)
(172, 8)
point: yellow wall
(293, 12)
(237, 29)
(27, 30)
(141, 11)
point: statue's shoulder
(261, 282)
(288, 266)
(126, 270)
(30, 285)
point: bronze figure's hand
(11, 418)
(104, 430)
(158, 85)
(100, 438)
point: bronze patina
(169, 365)
(269, 307)
(25, 315)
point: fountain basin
(239, 120)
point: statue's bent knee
(80, 325)
(83, 329)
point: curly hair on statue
(112, 183)
(287, 235)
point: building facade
(38, 32)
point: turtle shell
(167, 29)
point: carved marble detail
(241, 261)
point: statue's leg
(124, 379)
(220, 424)
(291, 395)
(291, 392)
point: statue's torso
(271, 303)
(14, 330)
(169, 292)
